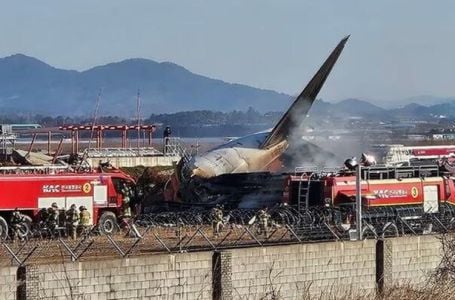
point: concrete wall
(292, 272)
(298, 270)
(410, 259)
(180, 276)
(8, 283)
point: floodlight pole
(358, 201)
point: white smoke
(308, 147)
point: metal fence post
(358, 201)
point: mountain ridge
(29, 85)
(165, 87)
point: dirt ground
(154, 240)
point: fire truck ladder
(307, 174)
(304, 191)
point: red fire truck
(31, 189)
(425, 186)
(410, 195)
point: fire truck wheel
(3, 228)
(26, 228)
(108, 223)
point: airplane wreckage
(239, 173)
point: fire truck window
(118, 184)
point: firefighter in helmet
(17, 224)
(52, 217)
(217, 219)
(72, 220)
(43, 216)
(84, 219)
(126, 207)
(127, 222)
(126, 204)
(263, 217)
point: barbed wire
(196, 230)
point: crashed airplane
(240, 173)
(260, 152)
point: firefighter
(217, 219)
(127, 222)
(263, 217)
(72, 220)
(84, 219)
(52, 217)
(43, 216)
(126, 207)
(17, 223)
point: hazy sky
(397, 49)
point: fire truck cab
(30, 190)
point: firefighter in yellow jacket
(72, 220)
(84, 220)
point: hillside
(28, 85)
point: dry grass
(428, 291)
(434, 291)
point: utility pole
(358, 200)
(95, 116)
(138, 110)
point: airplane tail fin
(302, 104)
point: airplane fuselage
(238, 156)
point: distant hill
(30, 85)
(347, 108)
(420, 112)
(363, 109)
(424, 100)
